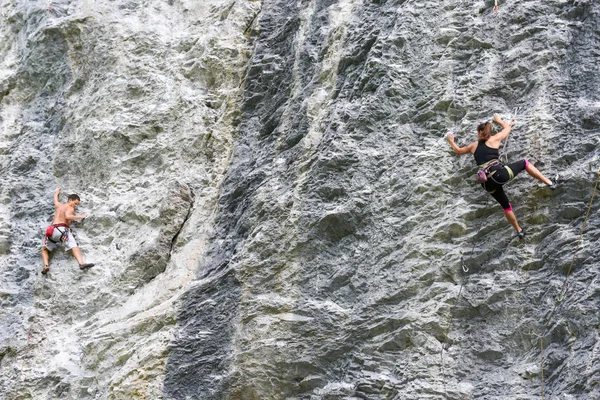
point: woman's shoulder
(473, 146)
(492, 144)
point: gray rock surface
(274, 211)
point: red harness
(50, 231)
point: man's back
(62, 213)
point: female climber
(486, 153)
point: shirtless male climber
(59, 233)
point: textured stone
(274, 212)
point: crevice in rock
(251, 23)
(187, 217)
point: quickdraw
(462, 263)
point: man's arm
(460, 150)
(56, 193)
(70, 215)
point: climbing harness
(563, 291)
(482, 174)
(64, 234)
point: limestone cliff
(274, 211)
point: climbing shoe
(521, 234)
(85, 266)
(46, 269)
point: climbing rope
(512, 124)
(565, 284)
(465, 270)
(450, 320)
(503, 152)
(542, 355)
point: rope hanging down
(465, 269)
(565, 284)
(512, 124)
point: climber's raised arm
(496, 139)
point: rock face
(274, 211)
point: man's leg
(77, 254)
(45, 258)
(79, 258)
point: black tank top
(483, 153)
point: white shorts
(68, 240)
